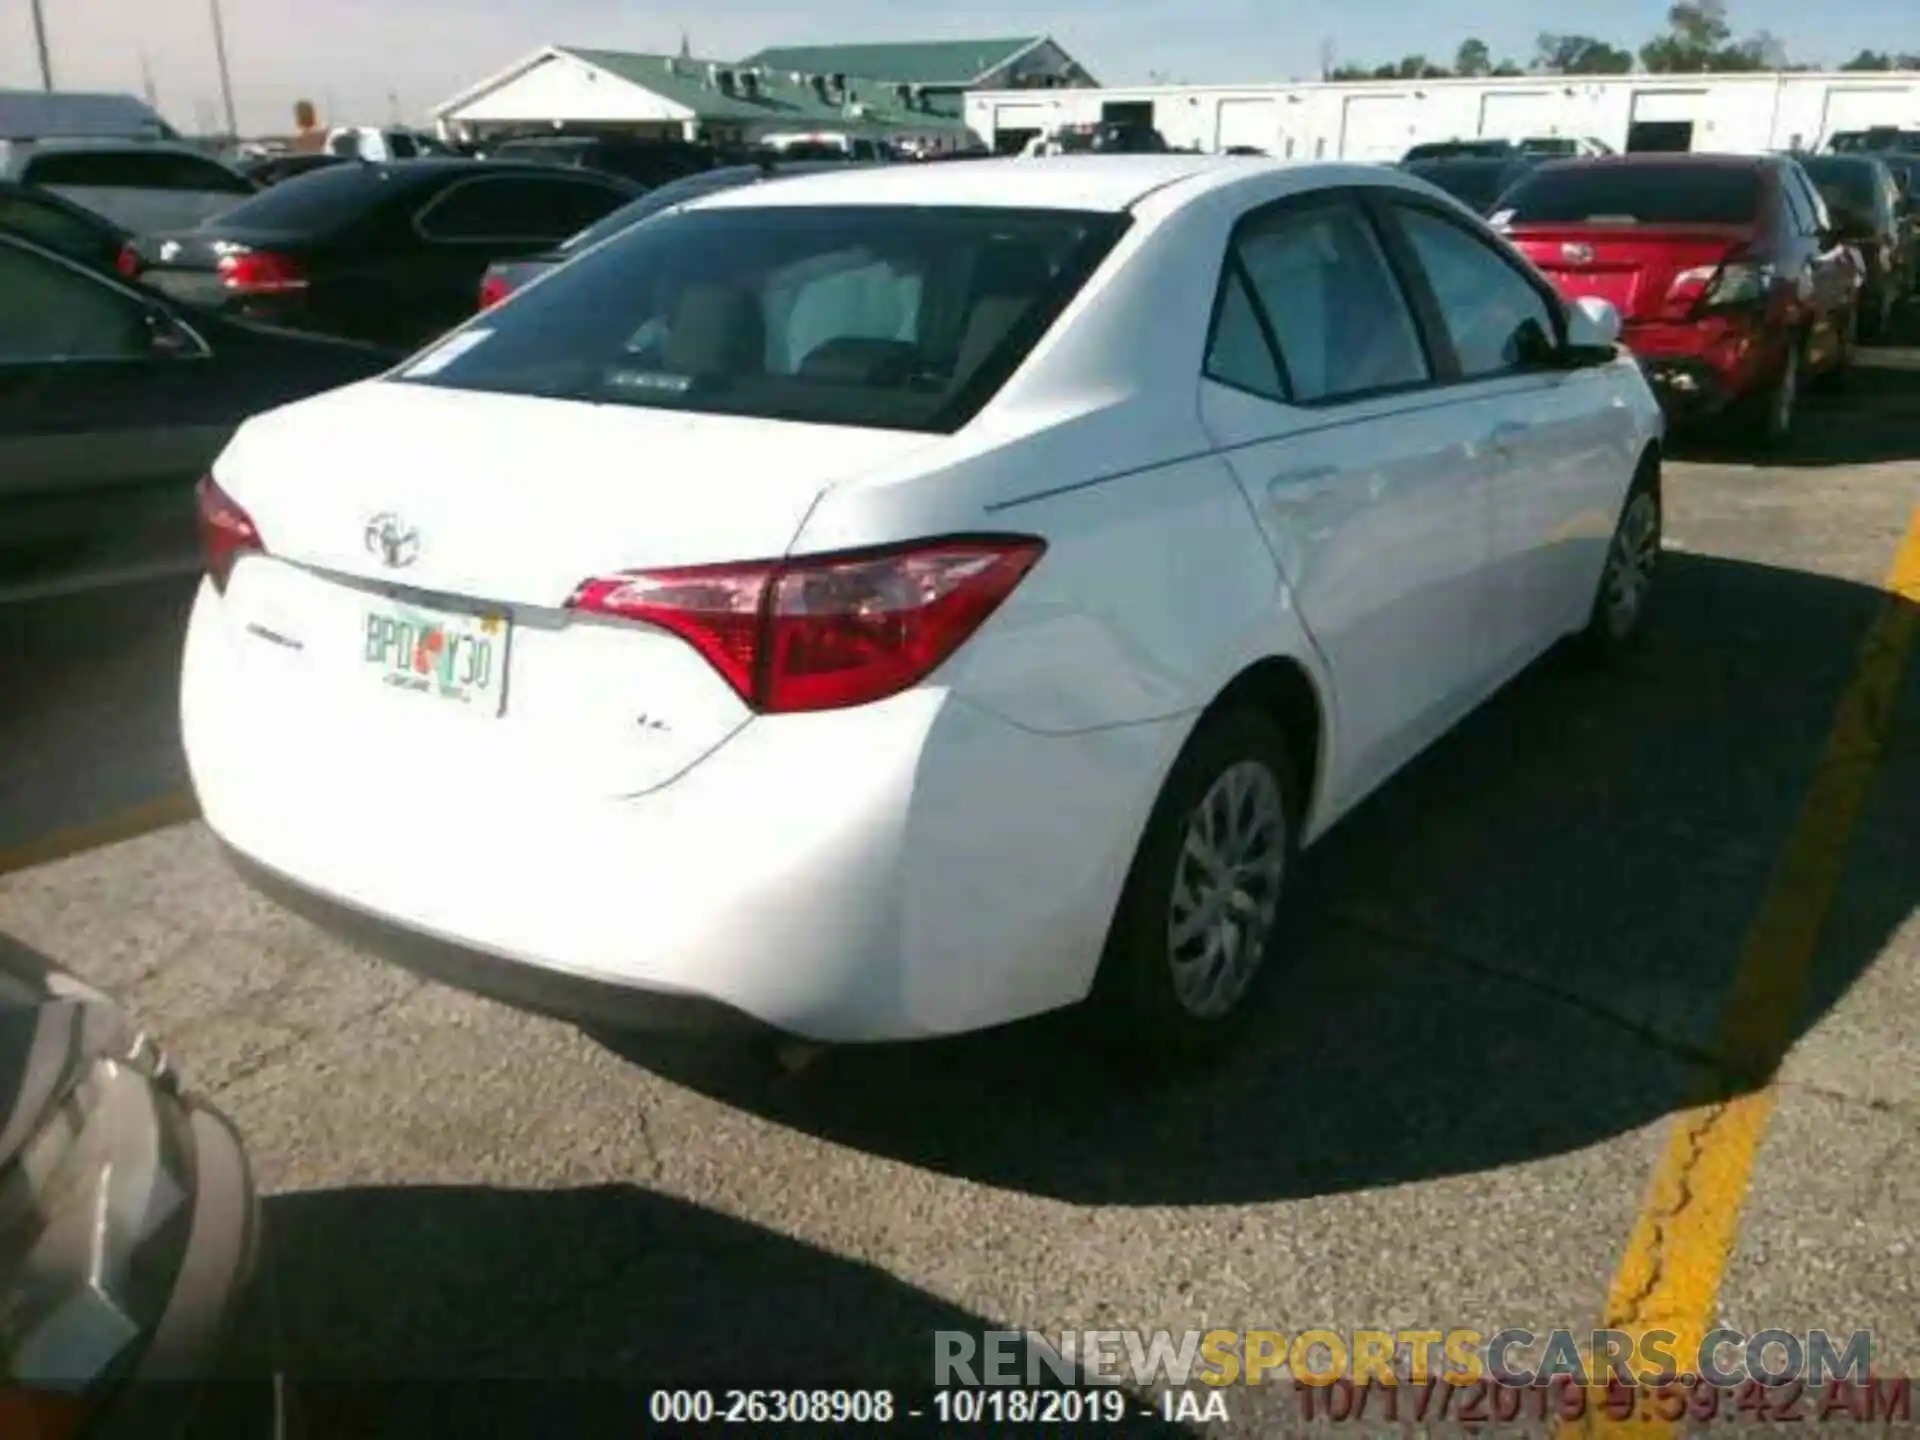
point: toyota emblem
(1575, 253)
(393, 540)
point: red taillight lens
(128, 261)
(825, 632)
(261, 272)
(226, 532)
(493, 289)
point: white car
(898, 601)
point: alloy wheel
(1226, 890)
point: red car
(1732, 283)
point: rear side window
(133, 169)
(58, 229)
(1636, 195)
(49, 314)
(881, 316)
(1335, 309)
(516, 208)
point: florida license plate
(445, 655)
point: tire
(1778, 406)
(1152, 992)
(1625, 589)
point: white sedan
(894, 602)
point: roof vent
(750, 84)
(724, 78)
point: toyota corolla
(895, 602)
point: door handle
(1299, 487)
(1503, 436)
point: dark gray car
(114, 401)
(129, 1227)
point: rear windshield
(1475, 184)
(1849, 186)
(1636, 195)
(676, 192)
(882, 316)
(136, 170)
(319, 202)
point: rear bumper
(1698, 369)
(910, 868)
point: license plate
(445, 655)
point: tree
(1579, 55)
(1472, 58)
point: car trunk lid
(1631, 266)
(393, 514)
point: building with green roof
(906, 93)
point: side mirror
(1593, 326)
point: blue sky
(358, 51)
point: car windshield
(1475, 183)
(1636, 195)
(1845, 185)
(883, 316)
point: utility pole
(40, 40)
(226, 80)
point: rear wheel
(1779, 405)
(1197, 919)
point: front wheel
(1619, 611)
(1198, 917)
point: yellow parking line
(1669, 1277)
(154, 815)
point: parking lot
(1513, 966)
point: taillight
(226, 532)
(829, 631)
(127, 262)
(261, 272)
(1735, 285)
(493, 289)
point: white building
(908, 91)
(1378, 120)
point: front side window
(893, 317)
(1335, 308)
(1497, 322)
(51, 314)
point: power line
(220, 53)
(40, 40)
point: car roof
(1065, 182)
(114, 147)
(1665, 158)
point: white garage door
(1376, 127)
(1862, 107)
(1668, 105)
(1516, 114)
(1249, 122)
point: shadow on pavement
(1517, 949)
(1863, 418)
(549, 1306)
(89, 700)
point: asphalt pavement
(1511, 971)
